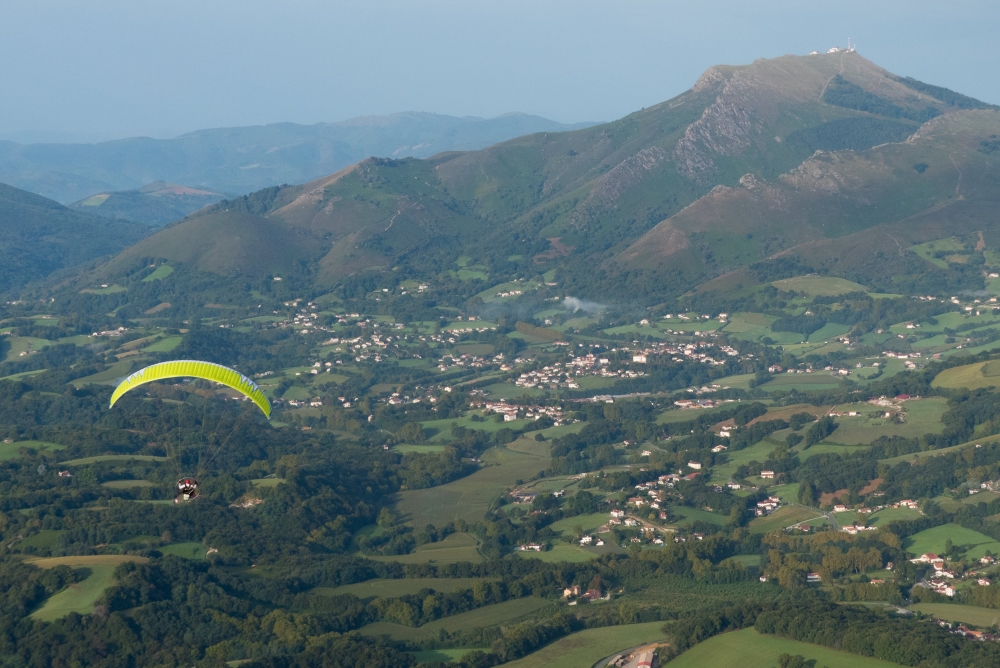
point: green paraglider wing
(194, 369)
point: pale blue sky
(115, 68)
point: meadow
(490, 615)
(933, 540)
(819, 286)
(83, 461)
(13, 450)
(922, 417)
(585, 648)
(470, 497)
(455, 548)
(749, 649)
(968, 614)
(969, 376)
(80, 596)
(781, 518)
(388, 588)
(445, 655)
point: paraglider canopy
(195, 369)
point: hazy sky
(88, 69)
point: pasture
(164, 345)
(81, 596)
(569, 552)
(445, 655)
(922, 417)
(455, 548)
(127, 484)
(159, 273)
(887, 515)
(749, 649)
(13, 450)
(470, 497)
(585, 648)
(188, 550)
(83, 461)
(819, 286)
(933, 540)
(969, 376)
(781, 518)
(390, 588)
(490, 615)
(968, 614)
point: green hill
(39, 236)
(797, 157)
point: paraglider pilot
(187, 490)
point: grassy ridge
(749, 649)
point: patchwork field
(469, 498)
(749, 649)
(933, 540)
(188, 550)
(81, 596)
(585, 648)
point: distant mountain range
(235, 161)
(824, 162)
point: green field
(781, 518)
(490, 615)
(569, 552)
(927, 250)
(267, 482)
(445, 655)
(587, 522)
(81, 596)
(112, 458)
(46, 539)
(455, 548)
(692, 514)
(584, 648)
(389, 588)
(189, 550)
(970, 376)
(110, 290)
(887, 515)
(118, 370)
(127, 484)
(159, 273)
(933, 540)
(164, 345)
(12, 450)
(418, 449)
(749, 649)
(922, 417)
(469, 498)
(819, 286)
(969, 614)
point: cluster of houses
(944, 579)
(767, 506)
(565, 375)
(513, 412)
(111, 332)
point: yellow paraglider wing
(194, 369)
